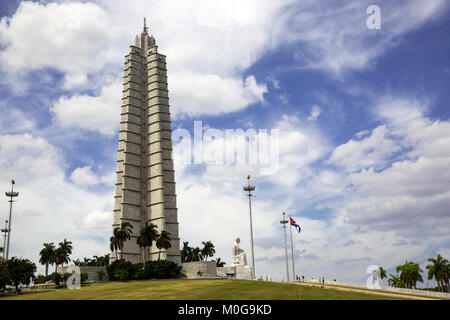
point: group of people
(302, 278)
(298, 278)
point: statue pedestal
(235, 272)
(243, 272)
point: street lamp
(11, 194)
(249, 189)
(284, 222)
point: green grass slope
(195, 290)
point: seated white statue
(238, 255)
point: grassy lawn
(195, 290)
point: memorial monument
(238, 255)
(239, 269)
(145, 185)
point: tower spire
(145, 25)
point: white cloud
(207, 37)
(399, 110)
(204, 42)
(100, 113)
(342, 41)
(365, 153)
(315, 113)
(72, 37)
(196, 94)
(98, 220)
(13, 120)
(410, 195)
(74, 81)
(207, 43)
(85, 177)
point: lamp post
(5, 230)
(249, 189)
(284, 222)
(11, 194)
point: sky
(362, 116)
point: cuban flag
(293, 223)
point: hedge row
(58, 278)
(159, 269)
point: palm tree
(447, 276)
(58, 257)
(416, 271)
(438, 269)
(186, 252)
(116, 242)
(196, 254)
(220, 263)
(382, 273)
(208, 249)
(163, 241)
(66, 251)
(126, 230)
(148, 235)
(410, 274)
(100, 274)
(393, 280)
(105, 260)
(120, 236)
(46, 255)
(102, 261)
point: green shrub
(150, 270)
(56, 278)
(17, 271)
(138, 271)
(159, 269)
(42, 279)
(115, 268)
(4, 280)
(162, 269)
(122, 274)
(84, 276)
(66, 276)
(100, 274)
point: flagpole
(284, 221)
(292, 250)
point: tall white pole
(251, 234)
(10, 194)
(250, 188)
(292, 251)
(284, 221)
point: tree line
(17, 271)
(409, 274)
(95, 261)
(147, 236)
(193, 254)
(50, 255)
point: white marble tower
(145, 185)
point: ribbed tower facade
(145, 185)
